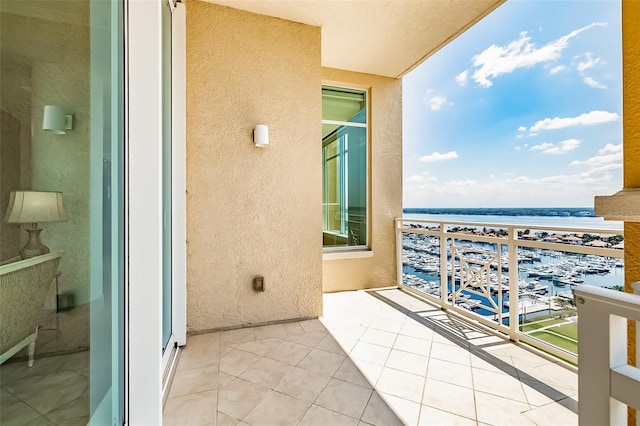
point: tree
(615, 239)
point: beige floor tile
(237, 362)
(496, 410)
(77, 408)
(277, 409)
(239, 335)
(313, 325)
(345, 398)
(488, 362)
(451, 398)
(239, 397)
(370, 371)
(413, 345)
(450, 372)
(224, 420)
(330, 344)
(378, 412)
(405, 410)
(450, 353)
(349, 372)
(350, 333)
(266, 372)
(80, 421)
(276, 331)
(401, 384)
(197, 356)
(540, 393)
(13, 411)
(289, 352)
(391, 325)
(408, 362)
(12, 372)
(414, 329)
(319, 416)
(444, 338)
(293, 328)
(205, 340)
(195, 409)
(370, 353)
(312, 338)
(302, 384)
(322, 362)
(430, 416)
(553, 414)
(186, 382)
(379, 337)
(49, 392)
(259, 347)
(498, 384)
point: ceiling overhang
(387, 38)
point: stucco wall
(385, 185)
(252, 211)
(631, 147)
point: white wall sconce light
(56, 121)
(261, 135)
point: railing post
(443, 266)
(514, 304)
(602, 340)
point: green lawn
(556, 340)
(569, 330)
(544, 323)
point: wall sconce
(261, 135)
(56, 121)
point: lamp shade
(54, 120)
(34, 207)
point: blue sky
(523, 109)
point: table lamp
(32, 207)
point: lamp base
(34, 246)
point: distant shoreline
(507, 211)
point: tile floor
(55, 391)
(374, 358)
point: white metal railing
(480, 270)
(607, 384)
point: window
(344, 167)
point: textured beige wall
(631, 148)
(385, 185)
(252, 211)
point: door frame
(143, 141)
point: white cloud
(532, 134)
(610, 149)
(436, 156)
(594, 83)
(541, 147)
(462, 78)
(609, 158)
(517, 148)
(585, 119)
(522, 129)
(589, 62)
(557, 69)
(436, 102)
(521, 53)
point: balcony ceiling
(387, 38)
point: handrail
(506, 255)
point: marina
(477, 271)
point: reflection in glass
(61, 334)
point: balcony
(379, 357)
